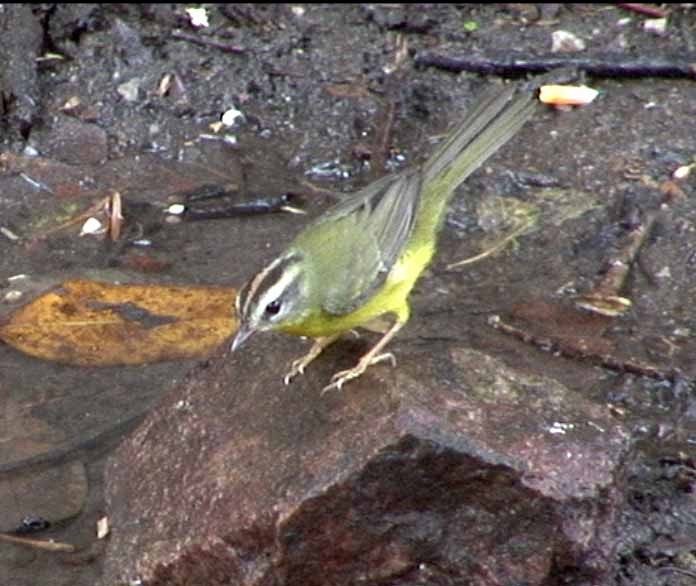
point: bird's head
(274, 298)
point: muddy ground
(119, 97)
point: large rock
(450, 469)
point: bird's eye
(273, 307)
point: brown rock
(450, 469)
(75, 142)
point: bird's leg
(298, 366)
(368, 359)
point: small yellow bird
(356, 264)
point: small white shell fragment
(70, 104)
(129, 90)
(13, 296)
(165, 84)
(92, 226)
(566, 42)
(574, 95)
(9, 234)
(198, 17)
(656, 26)
(18, 277)
(559, 428)
(35, 184)
(230, 116)
(664, 273)
(176, 209)
(50, 57)
(297, 11)
(30, 151)
(142, 242)
(102, 527)
(682, 172)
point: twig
(258, 206)
(385, 127)
(604, 297)
(95, 209)
(574, 352)
(38, 543)
(676, 570)
(383, 135)
(495, 248)
(645, 9)
(607, 65)
(207, 42)
(318, 190)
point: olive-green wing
(356, 243)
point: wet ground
(122, 98)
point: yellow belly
(391, 298)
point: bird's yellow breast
(392, 298)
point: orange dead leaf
(99, 324)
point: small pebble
(129, 90)
(198, 17)
(176, 209)
(656, 26)
(92, 226)
(229, 117)
(13, 296)
(566, 42)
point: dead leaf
(89, 323)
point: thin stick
(607, 65)
(574, 352)
(37, 543)
(645, 9)
(207, 42)
(514, 234)
(604, 297)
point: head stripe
(266, 279)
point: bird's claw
(383, 358)
(338, 379)
(297, 367)
(343, 376)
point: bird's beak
(243, 333)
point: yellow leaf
(90, 323)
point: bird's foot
(343, 376)
(298, 366)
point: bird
(355, 265)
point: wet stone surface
(452, 469)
